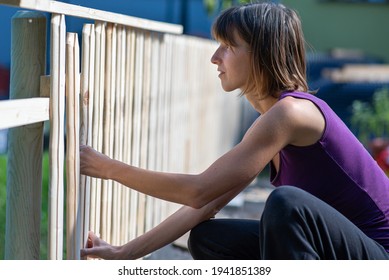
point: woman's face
(233, 64)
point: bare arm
(290, 121)
(176, 225)
(239, 166)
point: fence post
(25, 143)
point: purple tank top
(339, 170)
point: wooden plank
(25, 111)
(161, 111)
(145, 145)
(98, 109)
(93, 14)
(138, 100)
(153, 212)
(118, 189)
(130, 200)
(73, 225)
(45, 86)
(166, 100)
(93, 103)
(86, 92)
(108, 127)
(57, 147)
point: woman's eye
(226, 47)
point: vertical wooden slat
(72, 151)
(100, 119)
(90, 40)
(146, 122)
(56, 158)
(108, 123)
(130, 196)
(136, 124)
(153, 212)
(161, 131)
(94, 126)
(137, 198)
(166, 110)
(86, 91)
(118, 190)
(98, 110)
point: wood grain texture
(25, 143)
(73, 202)
(57, 135)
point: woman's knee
(225, 239)
(282, 203)
(283, 197)
(197, 239)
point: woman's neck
(261, 105)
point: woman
(331, 200)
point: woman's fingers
(92, 163)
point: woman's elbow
(197, 204)
(197, 197)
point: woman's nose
(215, 58)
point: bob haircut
(276, 42)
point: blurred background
(347, 62)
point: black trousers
(294, 226)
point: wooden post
(24, 173)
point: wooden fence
(134, 89)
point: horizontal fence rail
(57, 7)
(138, 92)
(24, 111)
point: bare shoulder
(296, 107)
(301, 118)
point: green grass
(3, 180)
(44, 216)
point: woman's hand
(93, 163)
(97, 248)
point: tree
(371, 120)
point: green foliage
(45, 206)
(44, 216)
(3, 180)
(371, 120)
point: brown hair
(277, 46)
